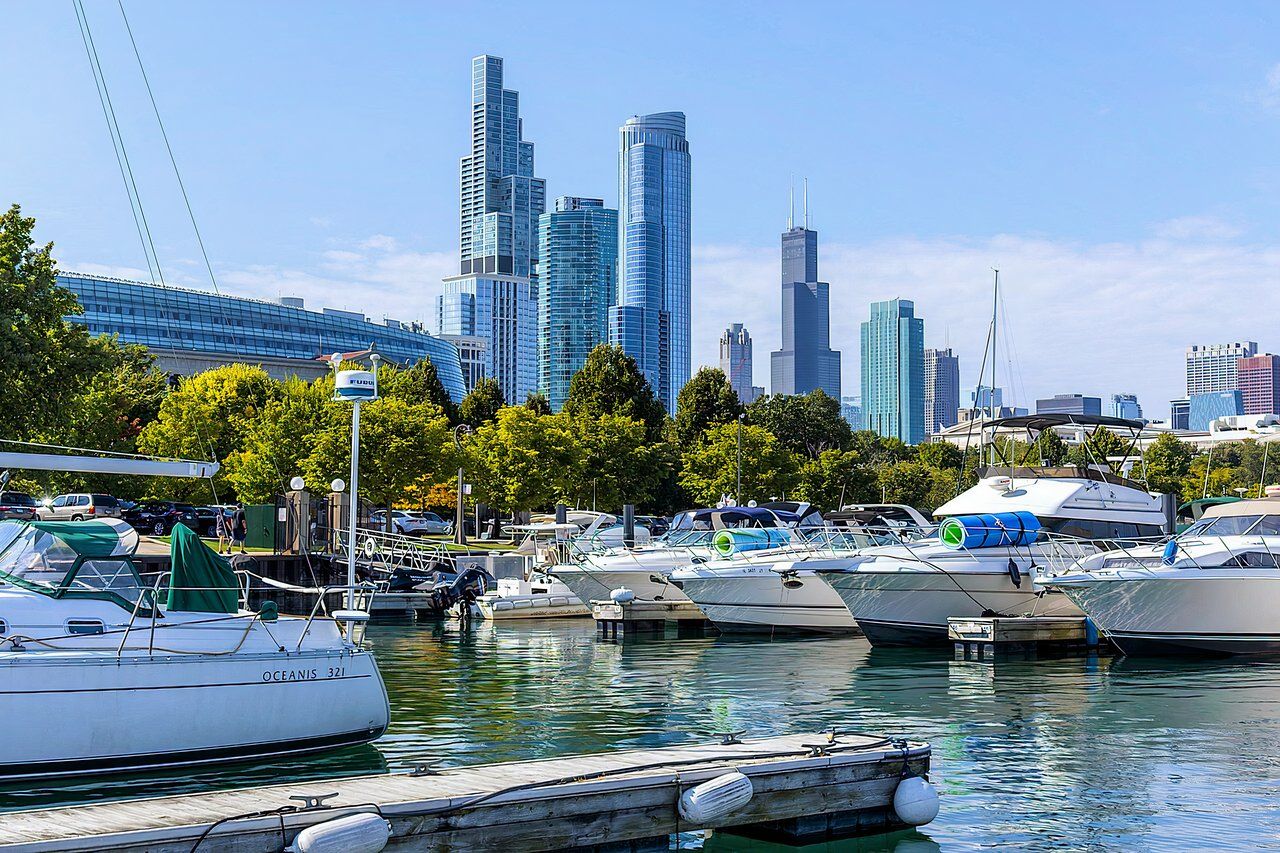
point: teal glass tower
(578, 250)
(893, 371)
(651, 320)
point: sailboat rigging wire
(169, 148)
(117, 145)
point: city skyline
(295, 213)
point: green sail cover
(201, 580)
(86, 538)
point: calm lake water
(1072, 754)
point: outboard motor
(469, 585)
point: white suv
(411, 524)
(80, 507)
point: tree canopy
(610, 383)
(482, 403)
(706, 400)
(806, 424)
(710, 470)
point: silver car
(80, 506)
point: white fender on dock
(915, 801)
(715, 798)
(622, 595)
(357, 833)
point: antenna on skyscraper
(791, 216)
(806, 204)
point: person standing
(224, 532)
(239, 528)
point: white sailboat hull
(86, 712)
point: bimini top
(720, 518)
(1037, 423)
(98, 538)
(1251, 506)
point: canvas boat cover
(201, 581)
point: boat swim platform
(1026, 637)
(806, 787)
(638, 617)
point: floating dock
(631, 618)
(805, 787)
(992, 637)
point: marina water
(1095, 753)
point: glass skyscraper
(806, 361)
(941, 390)
(651, 319)
(736, 362)
(495, 296)
(189, 331)
(893, 371)
(578, 246)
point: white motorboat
(1215, 588)
(904, 594)
(779, 590)
(101, 673)
(539, 597)
(646, 570)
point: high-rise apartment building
(577, 281)
(1207, 407)
(987, 398)
(893, 371)
(651, 319)
(495, 296)
(806, 361)
(1069, 404)
(851, 411)
(1259, 378)
(1214, 367)
(1125, 406)
(941, 390)
(735, 361)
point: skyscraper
(1125, 406)
(1069, 404)
(941, 390)
(651, 320)
(1213, 367)
(806, 361)
(577, 280)
(1259, 378)
(495, 296)
(735, 361)
(893, 371)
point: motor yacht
(1215, 588)
(101, 672)
(646, 570)
(904, 594)
(779, 590)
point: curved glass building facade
(651, 319)
(193, 330)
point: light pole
(737, 495)
(459, 511)
(356, 386)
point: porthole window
(85, 626)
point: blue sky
(1117, 161)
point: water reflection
(1074, 753)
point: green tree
(710, 468)
(401, 443)
(706, 400)
(619, 466)
(207, 417)
(807, 424)
(524, 460)
(278, 442)
(610, 383)
(875, 449)
(1167, 462)
(537, 403)
(907, 483)
(419, 383)
(940, 454)
(482, 403)
(835, 478)
(1050, 449)
(47, 360)
(1097, 447)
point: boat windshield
(1235, 525)
(36, 557)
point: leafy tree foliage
(610, 383)
(618, 466)
(906, 483)
(523, 460)
(279, 441)
(807, 424)
(482, 403)
(537, 403)
(1097, 447)
(419, 383)
(706, 400)
(940, 454)
(1167, 462)
(836, 478)
(875, 449)
(1051, 450)
(710, 468)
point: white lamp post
(356, 386)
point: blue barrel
(989, 530)
(737, 539)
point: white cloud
(1086, 318)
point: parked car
(79, 507)
(159, 517)
(207, 518)
(410, 524)
(17, 506)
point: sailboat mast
(991, 391)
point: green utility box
(261, 521)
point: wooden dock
(992, 637)
(646, 618)
(805, 787)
